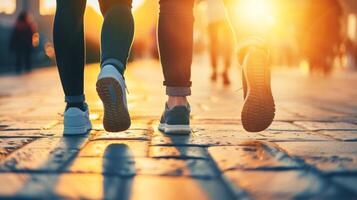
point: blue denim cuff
(75, 99)
(178, 91)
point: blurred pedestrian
(21, 41)
(320, 35)
(220, 39)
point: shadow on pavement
(213, 186)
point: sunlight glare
(7, 6)
(255, 11)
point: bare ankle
(176, 101)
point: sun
(255, 11)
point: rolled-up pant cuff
(178, 91)
(115, 62)
(75, 99)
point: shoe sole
(116, 115)
(175, 129)
(259, 108)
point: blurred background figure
(21, 42)
(221, 39)
(320, 35)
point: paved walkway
(310, 151)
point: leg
(69, 46)
(28, 63)
(18, 64)
(117, 32)
(175, 32)
(227, 43)
(175, 46)
(68, 38)
(213, 39)
(117, 37)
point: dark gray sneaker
(258, 108)
(176, 120)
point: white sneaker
(76, 122)
(112, 91)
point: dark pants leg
(27, 57)
(175, 32)
(117, 32)
(18, 64)
(117, 35)
(68, 35)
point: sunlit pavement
(310, 151)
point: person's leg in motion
(259, 109)
(28, 64)
(18, 64)
(175, 36)
(213, 48)
(116, 40)
(69, 46)
(227, 44)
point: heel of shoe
(116, 115)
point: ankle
(81, 105)
(177, 101)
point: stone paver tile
(277, 136)
(283, 114)
(96, 186)
(341, 135)
(124, 135)
(8, 145)
(64, 186)
(349, 181)
(115, 148)
(196, 127)
(14, 183)
(326, 156)
(178, 152)
(309, 111)
(329, 126)
(283, 185)
(204, 138)
(250, 155)
(68, 142)
(36, 159)
(142, 166)
(43, 154)
(25, 133)
(177, 188)
(28, 125)
(111, 166)
(225, 137)
(284, 126)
